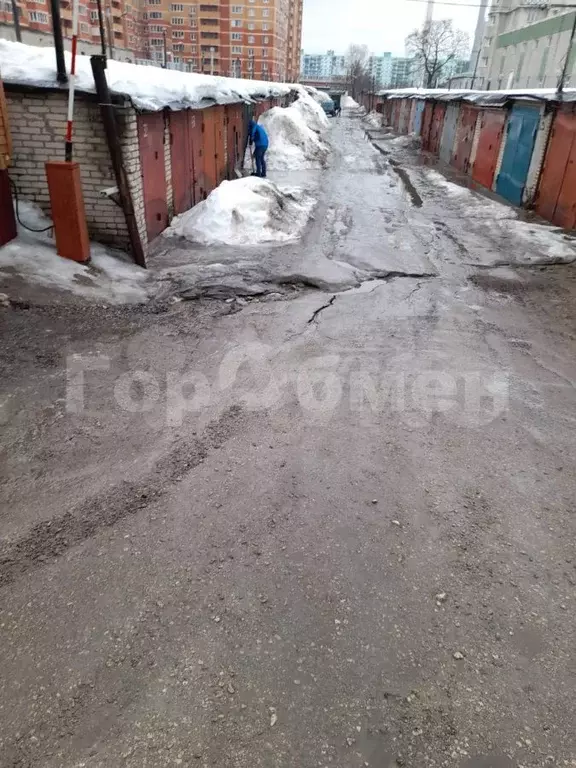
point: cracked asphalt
(322, 515)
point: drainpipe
(61, 75)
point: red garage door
(491, 132)
(151, 144)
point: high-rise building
(257, 39)
(403, 74)
(324, 66)
(36, 24)
(380, 69)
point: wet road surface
(325, 527)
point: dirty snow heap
(296, 135)
(245, 212)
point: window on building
(176, 6)
(264, 66)
(265, 27)
(251, 12)
(156, 42)
(209, 35)
(194, 49)
(237, 9)
(251, 39)
(266, 12)
(192, 10)
(264, 53)
(38, 17)
(178, 33)
(153, 2)
(82, 10)
(236, 49)
(250, 51)
(94, 15)
(177, 21)
(193, 23)
(84, 28)
(266, 40)
(236, 22)
(178, 46)
(156, 28)
(155, 15)
(206, 7)
(251, 25)
(193, 36)
(209, 22)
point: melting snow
(295, 136)
(245, 212)
(109, 277)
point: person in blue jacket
(258, 136)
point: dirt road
(327, 523)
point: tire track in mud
(50, 539)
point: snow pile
(374, 120)
(294, 144)
(150, 88)
(312, 112)
(348, 102)
(32, 257)
(318, 96)
(245, 212)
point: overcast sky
(382, 25)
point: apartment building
(36, 24)
(380, 69)
(526, 45)
(323, 66)
(404, 72)
(257, 39)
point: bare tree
(357, 66)
(434, 47)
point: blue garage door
(521, 134)
(418, 113)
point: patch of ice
(32, 257)
(477, 206)
(544, 243)
(245, 212)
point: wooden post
(111, 130)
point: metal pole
(211, 59)
(61, 75)
(165, 65)
(71, 83)
(562, 79)
(101, 25)
(109, 30)
(111, 130)
(16, 17)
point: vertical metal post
(61, 75)
(111, 130)
(16, 17)
(109, 31)
(165, 46)
(211, 59)
(101, 25)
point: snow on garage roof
(149, 88)
(496, 98)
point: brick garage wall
(38, 122)
(168, 167)
(131, 155)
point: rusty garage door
(436, 128)
(556, 200)
(464, 137)
(235, 136)
(492, 123)
(427, 124)
(196, 138)
(182, 162)
(151, 144)
(209, 144)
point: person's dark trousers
(259, 153)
